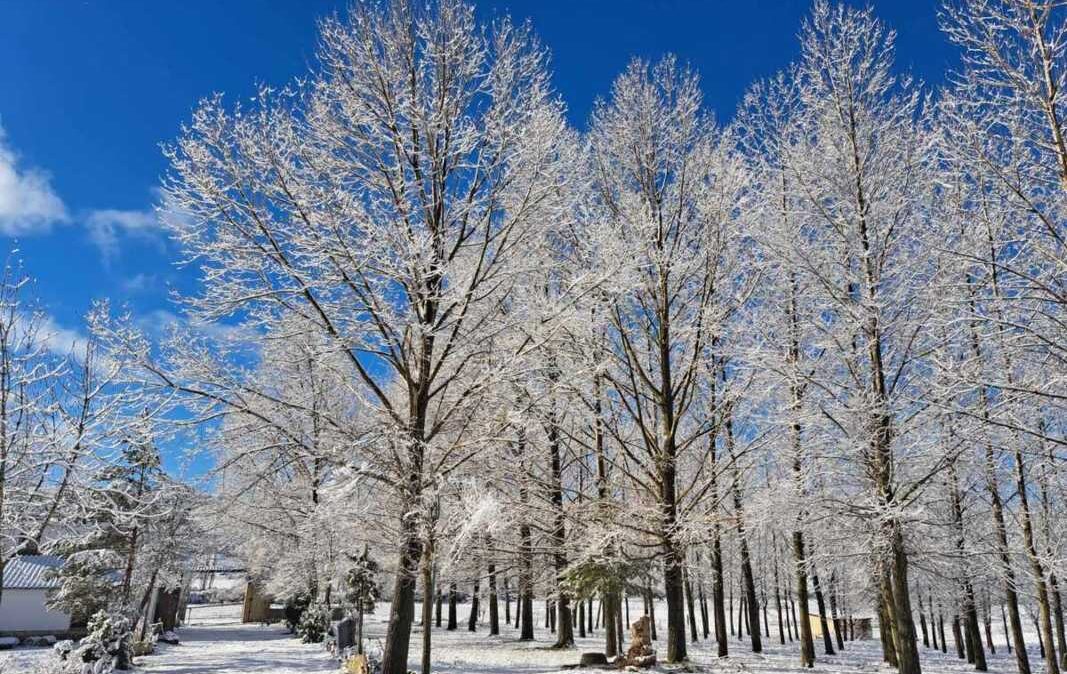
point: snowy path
(230, 648)
(216, 642)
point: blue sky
(90, 88)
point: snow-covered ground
(231, 648)
(20, 660)
(216, 642)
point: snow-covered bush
(62, 650)
(294, 611)
(314, 623)
(107, 645)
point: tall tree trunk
(1054, 586)
(672, 580)
(507, 602)
(766, 624)
(494, 608)
(933, 622)
(807, 643)
(452, 599)
(651, 611)
(885, 615)
(1052, 665)
(746, 562)
(782, 629)
(827, 638)
(941, 629)
(705, 626)
(565, 628)
(922, 622)
(800, 562)
(833, 611)
(472, 617)
(975, 652)
(957, 637)
(741, 618)
(427, 605)
(1000, 530)
(609, 598)
(1040, 641)
(525, 609)
(793, 612)
(718, 598)
(988, 618)
(1007, 634)
(402, 609)
(690, 606)
(526, 630)
(437, 609)
(667, 455)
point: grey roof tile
(31, 572)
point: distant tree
(363, 590)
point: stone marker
(593, 659)
(346, 634)
(640, 653)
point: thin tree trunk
(746, 561)
(933, 623)
(941, 629)
(988, 619)
(1007, 634)
(437, 609)
(922, 623)
(427, 606)
(452, 622)
(886, 621)
(807, 643)
(525, 609)
(703, 610)
(718, 603)
(1052, 664)
(494, 609)
(507, 602)
(975, 652)
(690, 606)
(957, 637)
(827, 639)
(612, 643)
(833, 611)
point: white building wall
(24, 611)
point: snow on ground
(232, 648)
(461, 652)
(216, 642)
(20, 660)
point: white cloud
(107, 226)
(139, 283)
(158, 322)
(61, 341)
(28, 205)
(45, 333)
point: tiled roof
(31, 572)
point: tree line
(816, 353)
